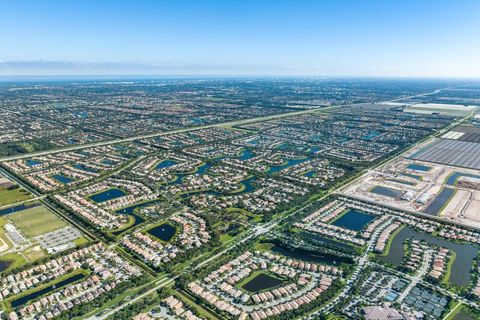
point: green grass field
(36, 221)
(12, 196)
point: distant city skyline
(279, 38)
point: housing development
(240, 199)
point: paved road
(427, 258)
(356, 273)
(228, 123)
(44, 200)
(427, 284)
(255, 232)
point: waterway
(453, 178)
(203, 168)
(371, 135)
(20, 301)
(20, 207)
(130, 211)
(461, 267)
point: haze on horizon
(430, 38)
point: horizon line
(199, 76)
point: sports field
(36, 221)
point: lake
(4, 265)
(246, 154)
(465, 253)
(82, 167)
(130, 211)
(203, 168)
(439, 202)
(63, 179)
(307, 255)
(309, 174)
(262, 282)
(353, 220)
(418, 167)
(387, 192)
(165, 164)
(106, 195)
(20, 301)
(32, 163)
(163, 232)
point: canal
(20, 301)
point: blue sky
(327, 38)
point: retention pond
(465, 253)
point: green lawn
(36, 221)
(262, 246)
(453, 312)
(12, 196)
